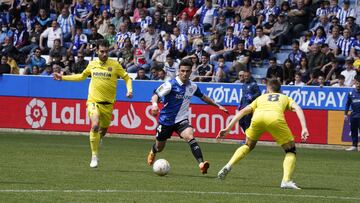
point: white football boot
(94, 161)
(289, 185)
(351, 149)
(224, 171)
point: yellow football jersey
(104, 77)
(275, 102)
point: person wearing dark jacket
(250, 91)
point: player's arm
(348, 103)
(75, 77)
(161, 91)
(243, 112)
(208, 100)
(300, 114)
(128, 81)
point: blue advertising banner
(308, 97)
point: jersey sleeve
(164, 89)
(289, 101)
(198, 92)
(253, 104)
(78, 77)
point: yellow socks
(289, 166)
(94, 142)
(240, 153)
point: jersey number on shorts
(273, 97)
(158, 130)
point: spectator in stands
(320, 81)
(319, 37)
(298, 18)
(4, 66)
(13, 65)
(184, 24)
(199, 48)
(329, 56)
(151, 39)
(5, 32)
(285, 8)
(271, 8)
(304, 42)
(190, 10)
(92, 41)
(34, 60)
(333, 38)
(221, 26)
(221, 70)
(144, 21)
(141, 58)
(43, 19)
(154, 72)
(268, 25)
(345, 12)
(117, 19)
(57, 50)
(96, 10)
(304, 70)
(127, 53)
(181, 43)
(169, 25)
(7, 47)
(246, 10)
(288, 72)
(355, 49)
(139, 7)
(120, 40)
(136, 36)
(141, 75)
(28, 20)
(35, 70)
(47, 71)
(274, 71)
(67, 24)
(249, 41)
(352, 26)
(205, 69)
(80, 64)
(349, 72)
(279, 32)
(171, 67)
(21, 36)
(258, 13)
(296, 54)
(83, 13)
(242, 57)
(208, 15)
(51, 33)
(334, 8)
(34, 40)
(262, 44)
(103, 22)
(111, 37)
(324, 23)
(316, 59)
(159, 56)
(57, 69)
(298, 80)
(162, 75)
(230, 45)
(344, 45)
(80, 42)
(340, 81)
(158, 21)
(196, 30)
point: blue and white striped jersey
(345, 45)
(176, 98)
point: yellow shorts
(103, 110)
(268, 122)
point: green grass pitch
(54, 168)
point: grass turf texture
(59, 165)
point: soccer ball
(161, 167)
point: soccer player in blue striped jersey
(174, 116)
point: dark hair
(103, 43)
(221, 57)
(186, 62)
(272, 59)
(357, 78)
(274, 85)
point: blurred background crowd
(299, 42)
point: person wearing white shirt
(171, 67)
(51, 33)
(262, 44)
(349, 72)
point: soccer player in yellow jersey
(102, 91)
(268, 116)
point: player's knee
(290, 150)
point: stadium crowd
(319, 39)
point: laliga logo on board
(36, 113)
(131, 120)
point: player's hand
(129, 95)
(223, 109)
(304, 134)
(222, 133)
(154, 111)
(346, 117)
(57, 76)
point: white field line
(183, 192)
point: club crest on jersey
(110, 69)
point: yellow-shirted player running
(102, 91)
(268, 116)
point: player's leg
(289, 166)
(239, 154)
(94, 133)
(354, 126)
(102, 132)
(188, 135)
(162, 134)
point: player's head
(185, 70)
(273, 85)
(103, 50)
